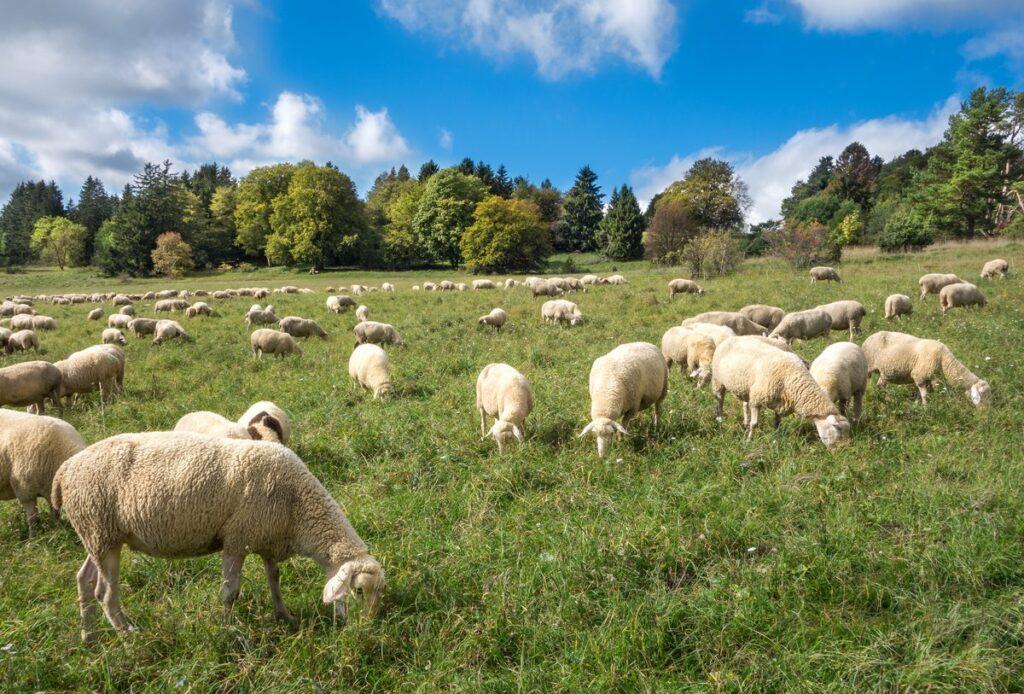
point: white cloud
(446, 140)
(868, 14)
(561, 36)
(374, 138)
(1007, 42)
(762, 14)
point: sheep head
(365, 576)
(503, 432)
(981, 394)
(833, 429)
(383, 392)
(604, 430)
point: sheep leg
(274, 581)
(858, 401)
(746, 414)
(31, 515)
(922, 390)
(87, 584)
(231, 566)
(483, 423)
(657, 413)
(719, 401)
(108, 590)
(753, 420)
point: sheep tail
(56, 493)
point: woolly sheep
(121, 300)
(142, 326)
(377, 333)
(170, 305)
(168, 330)
(614, 279)
(95, 314)
(760, 375)
(561, 311)
(544, 288)
(504, 394)
(95, 368)
(803, 325)
(166, 294)
(33, 448)
(261, 428)
(960, 294)
(5, 335)
(301, 327)
(387, 287)
(429, 287)
(446, 286)
(995, 267)
(362, 313)
(898, 305)
(842, 372)
(220, 294)
(368, 367)
(630, 378)
(496, 318)
(270, 341)
(118, 320)
(589, 279)
(510, 283)
(21, 341)
(261, 317)
(681, 286)
(27, 322)
(846, 315)
(717, 333)
(270, 409)
(690, 349)
(178, 494)
(127, 310)
(199, 308)
(337, 304)
(415, 287)
(902, 358)
(933, 282)
(824, 274)
(30, 384)
(113, 336)
(768, 317)
(483, 284)
(740, 324)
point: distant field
(687, 558)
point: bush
(507, 235)
(712, 254)
(672, 227)
(172, 256)
(803, 245)
(906, 231)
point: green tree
(255, 200)
(855, 176)
(674, 225)
(583, 213)
(508, 235)
(121, 244)
(172, 256)
(906, 230)
(29, 201)
(502, 185)
(400, 245)
(622, 229)
(206, 180)
(716, 196)
(428, 169)
(817, 209)
(60, 241)
(94, 207)
(445, 212)
(221, 230)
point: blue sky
(637, 89)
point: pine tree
(486, 174)
(583, 212)
(622, 229)
(403, 173)
(502, 185)
(94, 207)
(467, 167)
(428, 169)
(29, 201)
(206, 180)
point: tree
(206, 180)
(400, 245)
(29, 201)
(622, 229)
(855, 176)
(445, 212)
(582, 213)
(255, 199)
(60, 241)
(803, 245)
(906, 230)
(119, 241)
(221, 231)
(466, 167)
(508, 235)
(94, 207)
(674, 225)
(817, 209)
(716, 196)
(816, 182)
(428, 169)
(172, 256)
(502, 185)
(713, 253)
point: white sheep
(377, 333)
(483, 284)
(824, 274)
(995, 267)
(681, 286)
(561, 312)
(590, 279)
(368, 367)
(960, 294)
(543, 287)
(614, 279)
(897, 306)
(200, 308)
(261, 317)
(267, 341)
(95, 314)
(301, 327)
(692, 350)
(718, 333)
(933, 282)
(338, 304)
(842, 371)
(142, 326)
(846, 315)
(768, 317)
(118, 320)
(803, 325)
(740, 324)
(127, 310)
(170, 305)
(510, 283)
(100, 367)
(30, 384)
(505, 395)
(168, 330)
(5, 335)
(362, 313)
(261, 428)
(387, 287)
(265, 407)
(113, 336)
(21, 341)
(496, 318)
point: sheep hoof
(286, 617)
(88, 637)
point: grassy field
(687, 558)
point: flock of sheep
(215, 484)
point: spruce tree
(583, 213)
(29, 201)
(94, 207)
(622, 229)
(428, 169)
(502, 185)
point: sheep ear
(586, 430)
(518, 432)
(254, 433)
(338, 586)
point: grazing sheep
(178, 494)
(377, 333)
(842, 371)
(902, 358)
(95, 368)
(415, 287)
(270, 341)
(170, 305)
(571, 284)
(368, 367)
(21, 341)
(263, 427)
(681, 286)
(34, 322)
(690, 349)
(740, 324)
(30, 384)
(630, 378)
(590, 279)
(121, 300)
(301, 327)
(429, 287)
(5, 335)
(220, 294)
(127, 310)
(824, 274)
(32, 448)
(803, 325)
(265, 407)
(768, 317)
(561, 311)
(995, 267)
(504, 394)
(933, 283)
(387, 287)
(166, 294)
(496, 318)
(362, 313)
(9, 308)
(898, 305)
(510, 283)
(543, 287)
(717, 333)
(846, 315)
(95, 314)
(118, 320)
(483, 284)
(113, 336)
(445, 286)
(261, 317)
(168, 330)
(338, 304)
(199, 308)
(614, 279)
(760, 375)
(960, 294)
(142, 326)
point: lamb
(170, 305)
(265, 407)
(496, 318)
(681, 286)
(630, 378)
(118, 320)
(504, 394)
(842, 371)
(30, 384)
(33, 448)
(897, 306)
(690, 349)
(614, 279)
(95, 314)
(846, 315)
(760, 375)
(21, 341)
(301, 327)
(387, 287)
(824, 274)
(113, 336)
(168, 330)
(740, 324)
(995, 267)
(142, 326)
(91, 369)
(960, 294)
(902, 358)
(483, 284)
(200, 308)
(561, 311)
(261, 317)
(263, 427)
(768, 317)
(270, 341)
(179, 494)
(717, 333)
(377, 333)
(368, 367)
(933, 283)
(803, 325)
(543, 287)
(337, 304)
(362, 313)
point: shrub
(848, 230)
(906, 231)
(672, 227)
(172, 256)
(803, 245)
(712, 254)
(507, 235)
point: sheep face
(981, 394)
(833, 429)
(503, 432)
(604, 430)
(364, 576)
(383, 392)
(265, 427)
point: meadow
(686, 559)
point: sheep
(30, 384)
(717, 333)
(118, 320)
(897, 306)
(171, 305)
(261, 317)
(34, 322)
(614, 279)
(168, 330)
(142, 326)
(220, 294)
(544, 288)
(933, 283)
(902, 358)
(22, 321)
(483, 284)
(5, 335)
(571, 284)
(429, 287)
(589, 279)
(362, 313)
(21, 341)
(446, 286)
(166, 294)
(90, 369)
(681, 286)
(496, 318)
(95, 314)
(842, 371)
(9, 308)
(510, 283)
(630, 378)
(337, 304)
(377, 333)
(824, 274)
(301, 327)
(995, 267)
(200, 292)
(387, 287)
(33, 448)
(127, 310)
(846, 315)
(768, 317)
(357, 289)
(368, 367)
(263, 427)
(504, 394)
(803, 325)
(690, 349)
(199, 308)
(179, 494)
(761, 375)
(270, 341)
(113, 336)
(740, 324)
(265, 407)
(960, 294)
(121, 300)
(561, 311)
(288, 289)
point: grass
(685, 559)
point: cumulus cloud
(560, 36)
(1007, 42)
(374, 138)
(868, 14)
